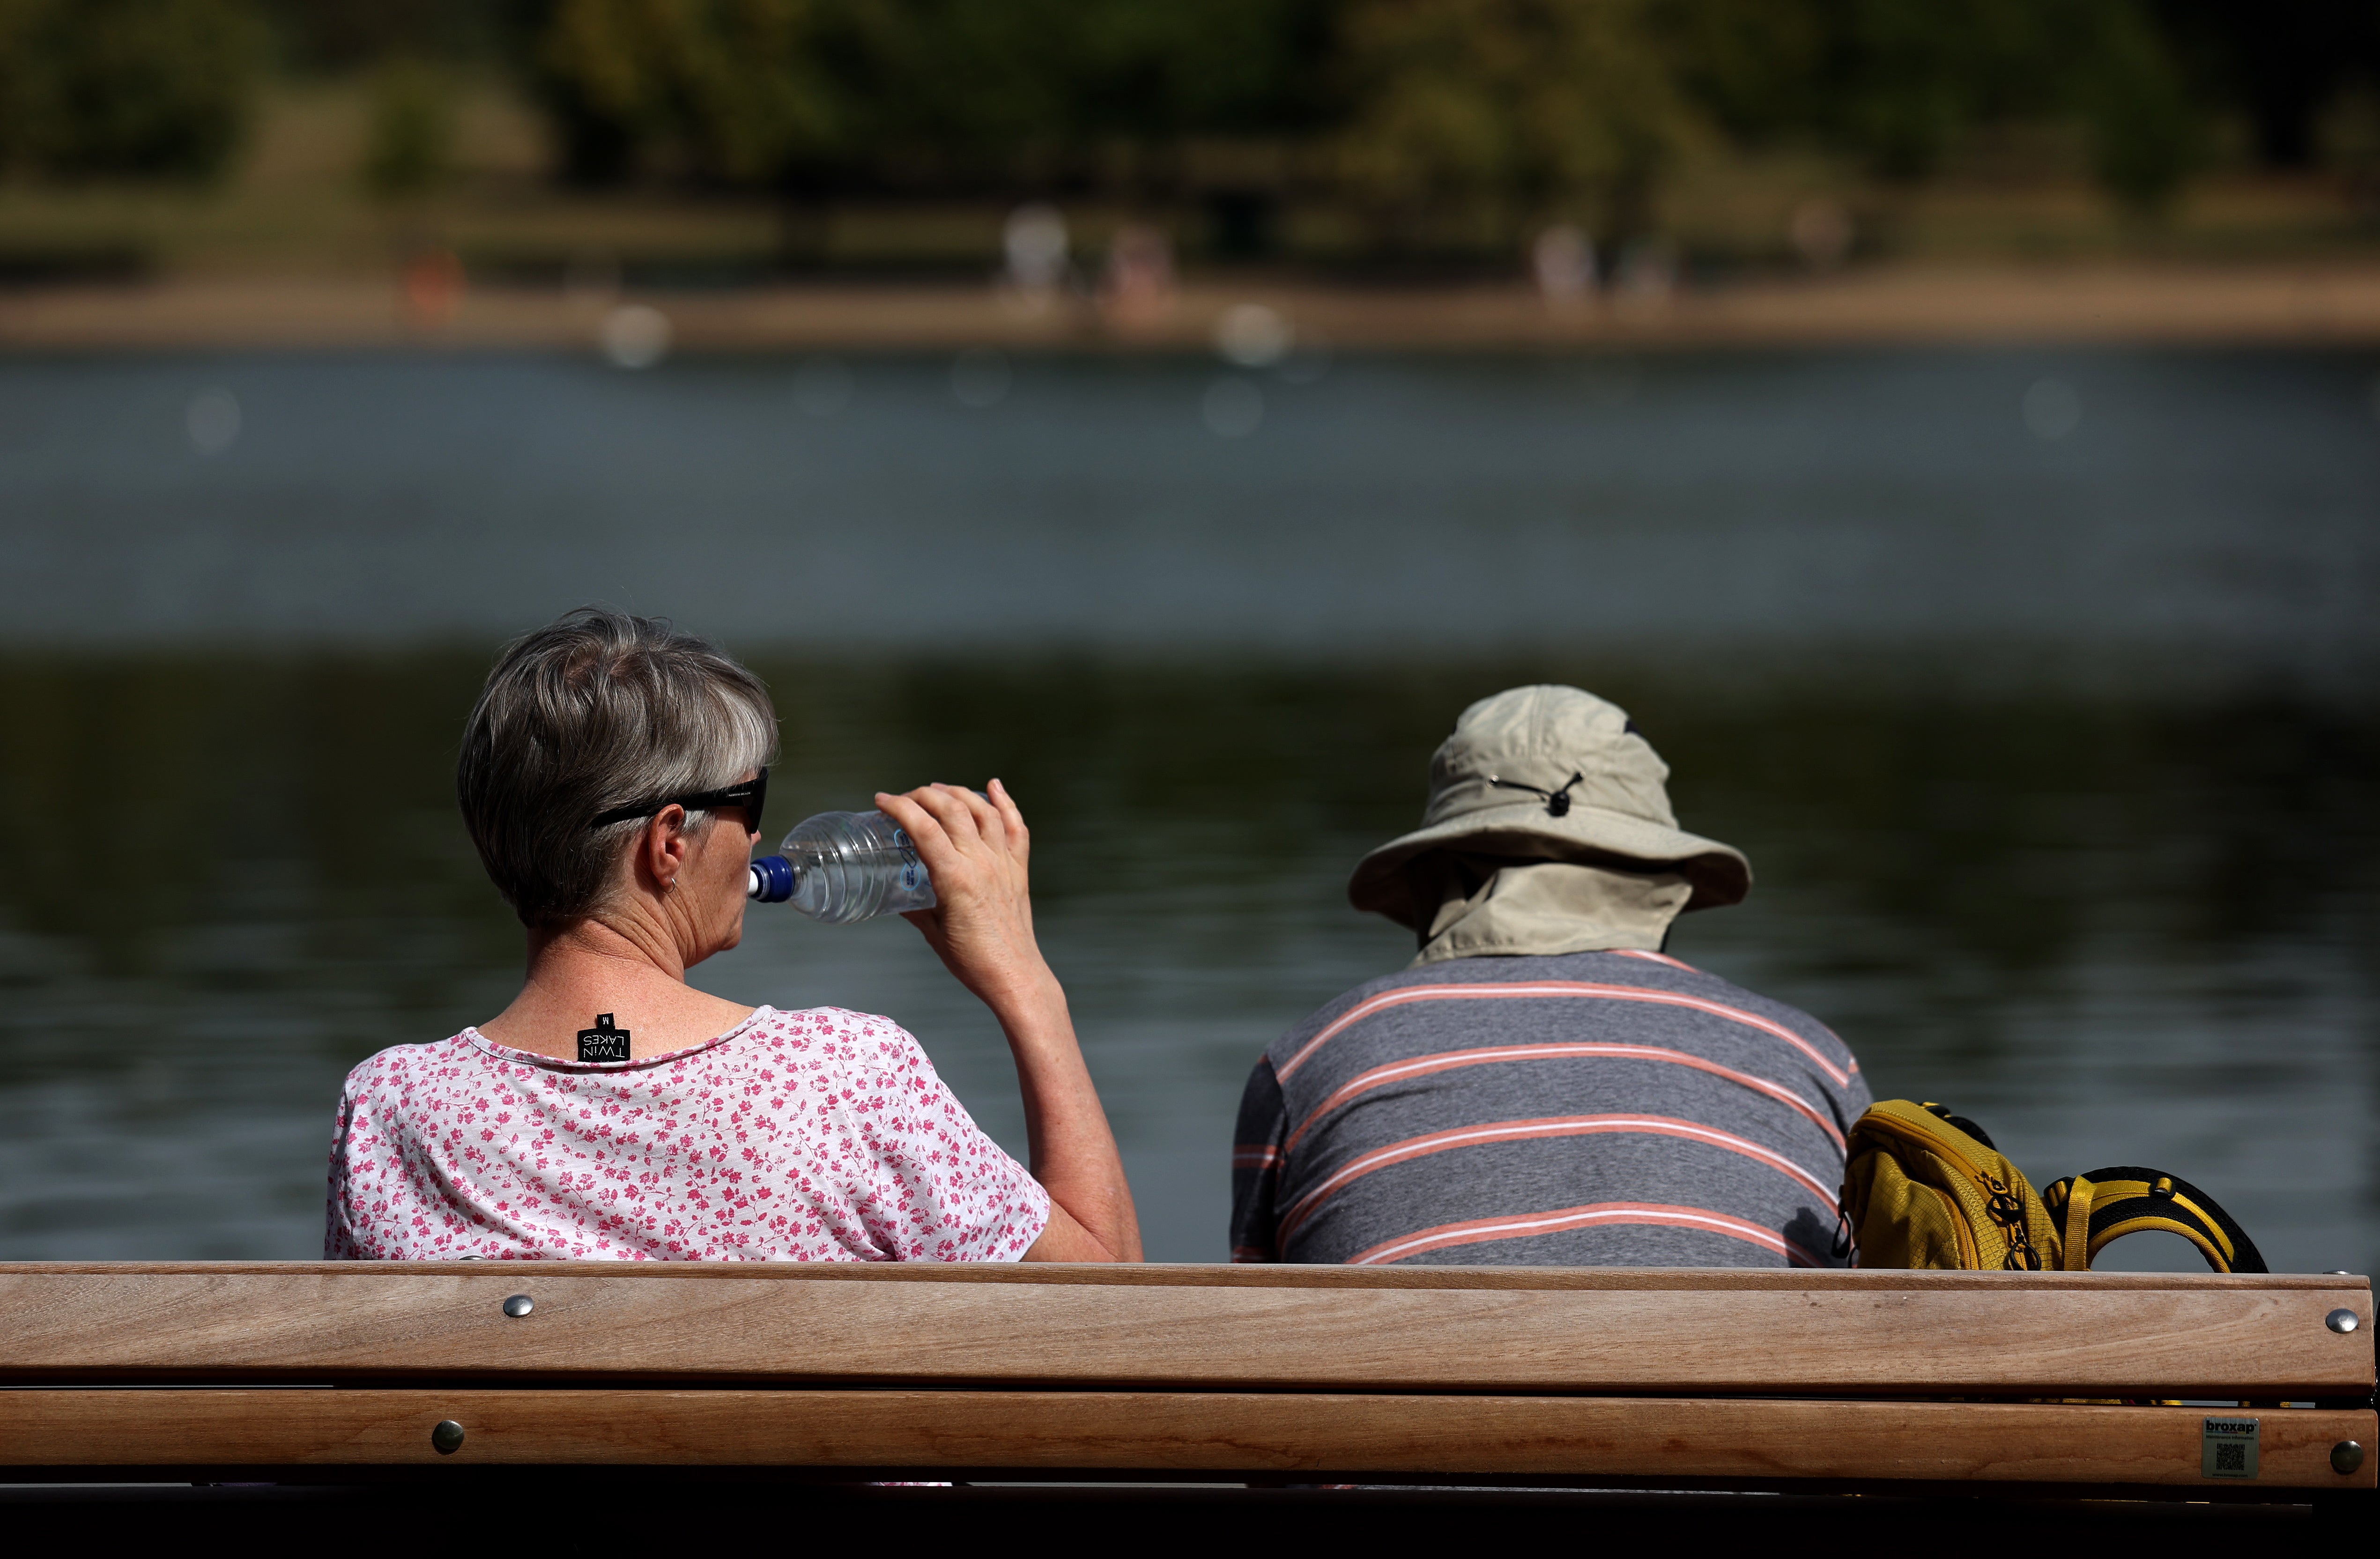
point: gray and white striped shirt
(1589, 1109)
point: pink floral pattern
(814, 1136)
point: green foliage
(149, 89)
(1752, 65)
(410, 141)
(2349, 139)
(1008, 74)
(1895, 83)
(1530, 104)
(1891, 82)
(958, 90)
(1159, 69)
(346, 35)
(1510, 108)
(740, 85)
(2282, 64)
(2147, 136)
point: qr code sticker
(2228, 1448)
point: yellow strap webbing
(2074, 1249)
(2189, 1230)
(2203, 1230)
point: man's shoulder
(1660, 971)
(1617, 967)
(1627, 971)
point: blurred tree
(2350, 142)
(1895, 83)
(346, 34)
(1753, 65)
(410, 143)
(1526, 105)
(2147, 133)
(964, 91)
(1890, 81)
(1508, 106)
(739, 87)
(1160, 71)
(2283, 62)
(154, 88)
(960, 90)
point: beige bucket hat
(1550, 772)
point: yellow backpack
(1924, 1188)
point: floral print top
(814, 1136)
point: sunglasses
(751, 796)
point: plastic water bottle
(841, 866)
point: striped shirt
(1590, 1109)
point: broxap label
(2227, 1449)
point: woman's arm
(982, 925)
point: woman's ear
(663, 847)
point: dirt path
(2305, 304)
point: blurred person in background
(1543, 1086)
(612, 776)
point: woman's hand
(982, 925)
(975, 849)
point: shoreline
(2304, 304)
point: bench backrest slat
(1496, 1329)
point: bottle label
(913, 871)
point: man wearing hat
(1542, 1086)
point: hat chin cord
(1557, 801)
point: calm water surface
(2058, 758)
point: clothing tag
(2228, 1448)
(604, 1043)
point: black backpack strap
(2127, 1199)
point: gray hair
(597, 710)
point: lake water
(2037, 686)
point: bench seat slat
(1234, 1433)
(1837, 1333)
(1192, 1274)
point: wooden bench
(1600, 1378)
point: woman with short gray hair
(612, 776)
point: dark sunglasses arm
(750, 793)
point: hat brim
(1718, 873)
